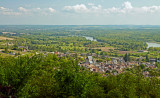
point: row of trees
(154, 48)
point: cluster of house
(24, 48)
(115, 66)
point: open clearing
(106, 49)
(124, 52)
(5, 38)
(8, 33)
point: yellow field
(124, 52)
(5, 38)
(5, 55)
(106, 49)
(8, 33)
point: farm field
(5, 38)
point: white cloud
(114, 10)
(77, 8)
(38, 8)
(11, 13)
(2, 8)
(7, 11)
(151, 9)
(45, 11)
(90, 8)
(99, 7)
(23, 9)
(51, 10)
(125, 8)
(127, 5)
(82, 8)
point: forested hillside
(49, 76)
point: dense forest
(41, 76)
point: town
(102, 64)
(112, 65)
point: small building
(83, 54)
(153, 61)
(24, 49)
(114, 60)
(56, 53)
(146, 73)
(89, 60)
(140, 58)
(94, 54)
(12, 53)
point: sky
(79, 12)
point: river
(152, 44)
(90, 38)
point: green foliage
(127, 57)
(41, 76)
(147, 58)
(50, 76)
(66, 38)
(158, 64)
(142, 66)
(108, 59)
(6, 50)
(154, 49)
